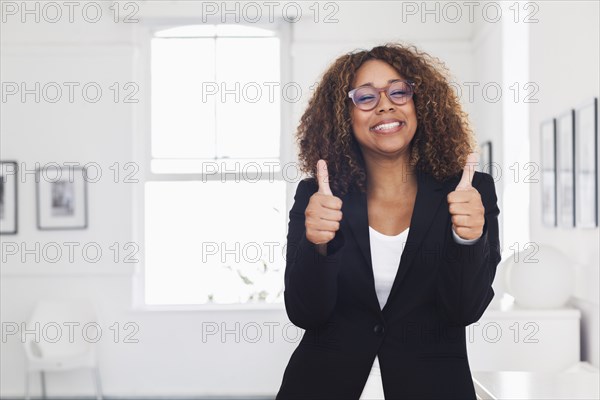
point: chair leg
(27, 396)
(97, 382)
(43, 380)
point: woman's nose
(385, 103)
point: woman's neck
(389, 179)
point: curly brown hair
(443, 138)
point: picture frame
(586, 164)
(61, 198)
(486, 160)
(565, 169)
(9, 215)
(548, 168)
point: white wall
(564, 63)
(487, 111)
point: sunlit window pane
(203, 242)
(248, 111)
(183, 125)
(216, 98)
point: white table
(582, 381)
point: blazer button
(378, 329)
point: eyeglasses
(366, 98)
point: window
(214, 196)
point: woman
(388, 257)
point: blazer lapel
(356, 214)
(429, 195)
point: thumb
(323, 177)
(469, 171)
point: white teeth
(386, 126)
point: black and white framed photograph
(565, 167)
(586, 167)
(61, 198)
(548, 167)
(485, 159)
(8, 198)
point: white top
(385, 256)
(386, 252)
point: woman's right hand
(324, 211)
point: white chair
(58, 339)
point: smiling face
(387, 130)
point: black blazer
(440, 288)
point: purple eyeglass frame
(383, 89)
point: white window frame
(143, 157)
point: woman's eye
(366, 98)
(399, 93)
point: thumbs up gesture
(465, 205)
(323, 213)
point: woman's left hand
(465, 205)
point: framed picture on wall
(586, 167)
(485, 161)
(61, 198)
(548, 160)
(565, 169)
(8, 197)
